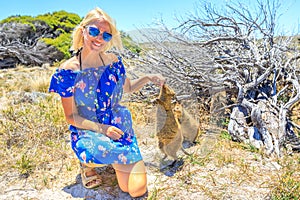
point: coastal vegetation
(229, 69)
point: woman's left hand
(157, 79)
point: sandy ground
(236, 174)
(189, 182)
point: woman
(91, 85)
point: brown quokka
(168, 129)
(190, 128)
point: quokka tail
(185, 152)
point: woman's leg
(132, 178)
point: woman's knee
(137, 185)
(138, 193)
(132, 178)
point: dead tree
(22, 44)
(240, 51)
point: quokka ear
(174, 101)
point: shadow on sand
(109, 190)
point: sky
(133, 14)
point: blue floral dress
(97, 93)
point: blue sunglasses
(94, 32)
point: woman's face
(97, 34)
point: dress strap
(80, 62)
(101, 60)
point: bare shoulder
(71, 64)
(112, 57)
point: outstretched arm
(135, 85)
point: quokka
(190, 128)
(168, 130)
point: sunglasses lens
(106, 36)
(94, 32)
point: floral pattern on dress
(97, 93)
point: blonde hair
(92, 15)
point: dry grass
(230, 171)
(33, 128)
(35, 149)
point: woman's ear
(84, 33)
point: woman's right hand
(112, 132)
(157, 79)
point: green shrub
(61, 19)
(62, 43)
(61, 22)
